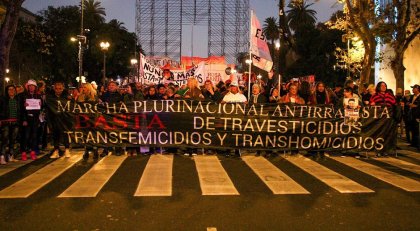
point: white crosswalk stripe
(395, 179)
(213, 178)
(401, 164)
(15, 165)
(157, 177)
(92, 182)
(32, 183)
(274, 178)
(415, 155)
(329, 177)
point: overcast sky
(124, 11)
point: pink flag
(261, 57)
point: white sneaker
(55, 154)
(194, 154)
(12, 159)
(67, 153)
(186, 154)
(2, 160)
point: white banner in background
(151, 74)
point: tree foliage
(56, 57)
(299, 15)
(7, 33)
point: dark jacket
(414, 113)
(259, 99)
(216, 97)
(112, 97)
(4, 107)
(31, 113)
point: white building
(383, 71)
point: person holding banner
(319, 96)
(211, 93)
(257, 97)
(112, 96)
(234, 96)
(88, 95)
(292, 96)
(382, 96)
(57, 134)
(193, 91)
(274, 96)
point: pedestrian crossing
(400, 181)
(156, 180)
(157, 177)
(329, 177)
(27, 186)
(275, 179)
(92, 182)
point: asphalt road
(255, 208)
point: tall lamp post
(104, 47)
(133, 64)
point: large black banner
(183, 123)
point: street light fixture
(104, 47)
(134, 62)
(248, 61)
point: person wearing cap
(33, 105)
(414, 116)
(234, 96)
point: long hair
(378, 86)
(90, 95)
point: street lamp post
(133, 64)
(104, 47)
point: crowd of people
(27, 125)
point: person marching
(11, 107)
(33, 105)
(58, 94)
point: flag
(260, 53)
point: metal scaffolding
(160, 26)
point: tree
(7, 33)
(299, 15)
(62, 23)
(402, 21)
(362, 20)
(30, 50)
(271, 29)
(287, 42)
(94, 14)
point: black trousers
(9, 136)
